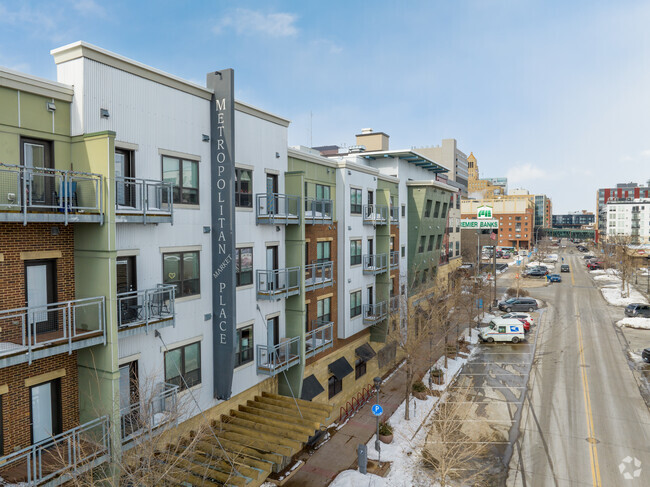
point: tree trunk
(409, 378)
(445, 348)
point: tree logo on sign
(484, 212)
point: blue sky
(553, 94)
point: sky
(554, 95)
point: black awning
(340, 368)
(310, 388)
(365, 352)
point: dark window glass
(182, 270)
(359, 368)
(422, 241)
(436, 212)
(243, 188)
(355, 252)
(244, 266)
(427, 210)
(183, 366)
(355, 201)
(430, 246)
(355, 304)
(244, 346)
(184, 176)
(334, 386)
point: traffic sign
(377, 410)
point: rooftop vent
(357, 148)
(366, 131)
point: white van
(503, 330)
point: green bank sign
(479, 224)
(484, 212)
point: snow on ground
(408, 438)
(550, 267)
(607, 277)
(635, 357)
(638, 323)
(486, 318)
(612, 295)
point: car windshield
(491, 326)
(511, 300)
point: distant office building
(622, 192)
(574, 220)
(450, 156)
(515, 217)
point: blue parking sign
(377, 410)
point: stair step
(225, 466)
(317, 406)
(280, 407)
(270, 420)
(237, 448)
(256, 443)
(293, 445)
(183, 476)
(282, 414)
(316, 415)
(265, 428)
(215, 451)
(204, 471)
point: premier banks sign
(222, 167)
(484, 219)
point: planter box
(386, 438)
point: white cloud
(245, 21)
(645, 153)
(525, 173)
(89, 8)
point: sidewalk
(340, 451)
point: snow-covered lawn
(550, 267)
(607, 278)
(639, 323)
(408, 439)
(613, 295)
(486, 318)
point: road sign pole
(377, 381)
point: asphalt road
(583, 420)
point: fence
(146, 306)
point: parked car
(554, 278)
(565, 268)
(518, 304)
(500, 330)
(525, 318)
(592, 266)
(645, 355)
(588, 256)
(535, 273)
(635, 310)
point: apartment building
(622, 192)
(627, 219)
(577, 219)
(516, 218)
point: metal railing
(272, 359)
(375, 214)
(277, 283)
(318, 211)
(69, 453)
(142, 197)
(320, 338)
(394, 215)
(146, 306)
(25, 330)
(375, 263)
(276, 208)
(35, 190)
(147, 416)
(394, 259)
(374, 313)
(319, 275)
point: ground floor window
(359, 368)
(334, 386)
(183, 366)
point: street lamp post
(377, 381)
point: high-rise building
(451, 157)
(622, 192)
(628, 219)
(478, 188)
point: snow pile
(638, 323)
(487, 317)
(352, 478)
(607, 277)
(613, 295)
(635, 357)
(550, 267)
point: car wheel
(531, 309)
(515, 339)
(508, 310)
(489, 340)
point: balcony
(319, 275)
(318, 211)
(144, 418)
(273, 359)
(375, 263)
(31, 333)
(320, 338)
(374, 313)
(278, 283)
(58, 459)
(277, 209)
(36, 194)
(145, 310)
(394, 215)
(375, 215)
(394, 259)
(143, 201)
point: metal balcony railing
(318, 211)
(374, 313)
(60, 458)
(278, 283)
(375, 214)
(36, 194)
(146, 308)
(34, 332)
(375, 263)
(320, 338)
(394, 215)
(394, 259)
(147, 417)
(319, 275)
(273, 359)
(277, 209)
(143, 200)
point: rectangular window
(355, 252)
(436, 212)
(359, 368)
(183, 366)
(403, 250)
(322, 192)
(323, 309)
(244, 345)
(403, 211)
(439, 242)
(427, 210)
(334, 386)
(431, 239)
(323, 251)
(184, 176)
(182, 270)
(355, 201)
(392, 243)
(444, 211)
(422, 242)
(243, 188)
(244, 266)
(425, 273)
(355, 304)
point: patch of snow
(635, 357)
(550, 267)
(606, 277)
(613, 295)
(352, 478)
(638, 323)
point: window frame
(238, 192)
(355, 208)
(322, 187)
(360, 365)
(183, 373)
(334, 386)
(355, 297)
(355, 259)
(322, 245)
(427, 208)
(180, 161)
(179, 284)
(239, 352)
(320, 308)
(238, 272)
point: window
(430, 246)
(323, 307)
(323, 251)
(439, 242)
(355, 201)
(322, 192)
(518, 218)
(183, 366)
(244, 346)
(244, 266)
(355, 252)
(355, 304)
(184, 176)
(422, 242)
(243, 188)
(403, 211)
(359, 368)
(444, 210)
(334, 386)
(427, 210)
(436, 212)
(392, 243)
(182, 270)
(424, 275)
(457, 248)
(403, 250)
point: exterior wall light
(51, 106)
(103, 112)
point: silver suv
(518, 304)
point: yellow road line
(593, 449)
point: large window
(244, 345)
(243, 188)
(355, 304)
(423, 239)
(323, 251)
(322, 192)
(436, 212)
(183, 366)
(355, 200)
(430, 246)
(359, 368)
(244, 266)
(323, 310)
(182, 270)
(355, 252)
(427, 209)
(334, 386)
(184, 176)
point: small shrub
(436, 373)
(385, 429)
(418, 386)
(512, 291)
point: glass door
(39, 183)
(45, 411)
(123, 171)
(271, 193)
(40, 287)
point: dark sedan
(646, 355)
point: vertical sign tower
(222, 163)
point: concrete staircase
(256, 439)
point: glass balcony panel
(277, 283)
(375, 214)
(319, 275)
(374, 313)
(318, 211)
(142, 200)
(273, 359)
(149, 415)
(320, 338)
(145, 307)
(277, 209)
(375, 263)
